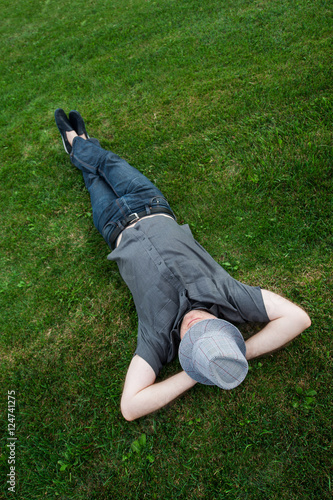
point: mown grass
(227, 106)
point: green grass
(227, 107)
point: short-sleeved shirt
(169, 273)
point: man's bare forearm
(287, 321)
(157, 395)
(273, 337)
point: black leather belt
(130, 219)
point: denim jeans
(116, 189)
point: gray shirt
(170, 273)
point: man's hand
(141, 396)
(286, 322)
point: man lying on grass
(185, 301)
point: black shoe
(63, 126)
(77, 123)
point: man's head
(212, 351)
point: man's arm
(141, 396)
(286, 322)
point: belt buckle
(134, 219)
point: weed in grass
(138, 447)
(306, 400)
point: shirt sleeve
(149, 347)
(246, 302)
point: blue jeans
(116, 189)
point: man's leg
(89, 156)
(116, 188)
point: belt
(130, 219)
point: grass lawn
(227, 107)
